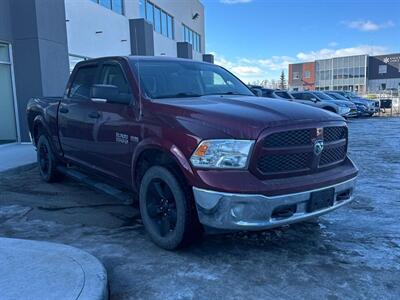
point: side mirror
(256, 92)
(108, 93)
(103, 92)
(314, 99)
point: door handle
(94, 115)
(64, 110)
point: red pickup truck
(196, 146)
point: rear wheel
(167, 209)
(46, 160)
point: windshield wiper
(179, 95)
(230, 93)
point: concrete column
(40, 52)
(142, 39)
(208, 58)
(185, 50)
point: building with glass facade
(342, 73)
(358, 73)
(42, 40)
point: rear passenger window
(83, 80)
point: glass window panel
(200, 44)
(82, 82)
(345, 73)
(157, 19)
(170, 23)
(382, 69)
(117, 6)
(164, 29)
(8, 132)
(142, 8)
(362, 72)
(149, 12)
(105, 3)
(4, 54)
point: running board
(97, 185)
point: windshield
(352, 95)
(183, 79)
(337, 96)
(285, 95)
(322, 96)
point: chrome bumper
(256, 212)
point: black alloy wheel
(161, 207)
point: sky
(257, 39)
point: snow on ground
(352, 253)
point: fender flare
(166, 146)
(39, 121)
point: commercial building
(384, 72)
(358, 73)
(42, 40)
(302, 76)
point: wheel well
(152, 157)
(37, 129)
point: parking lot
(353, 252)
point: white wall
(164, 46)
(85, 19)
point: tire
(46, 160)
(167, 209)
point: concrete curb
(42, 270)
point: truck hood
(240, 116)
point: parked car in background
(373, 106)
(321, 100)
(279, 94)
(271, 93)
(196, 146)
(364, 108)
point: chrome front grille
(292, 152)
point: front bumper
(351, 113)
(231, 211)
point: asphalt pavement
(352, 253)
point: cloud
(368, 25)
(333, 44)
(253, 69)
(235, 1)
(329, 53)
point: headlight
(343, 110)
(222, 154)
(362, 106)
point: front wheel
(167, 209)
(46, 160)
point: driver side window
(112, 74)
